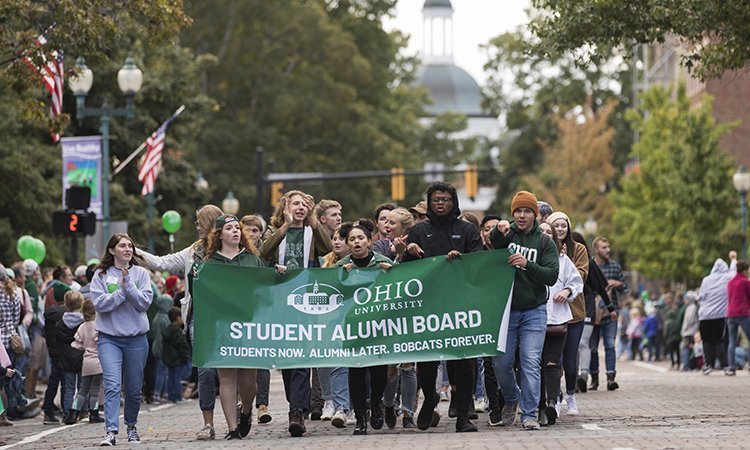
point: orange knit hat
(524, 199)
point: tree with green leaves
(671, 212)
(531, 92)
(714, 35)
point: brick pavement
(653, 408)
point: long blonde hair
(277, 220)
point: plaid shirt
(10, 315)
(613, 271)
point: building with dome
(451, 88)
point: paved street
(654, 408)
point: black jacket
(439, 235)
(595, 284)
(71, 359)
(53, 315)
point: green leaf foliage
(715, 34)
(670, 213)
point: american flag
(151, 162)
(52, 74)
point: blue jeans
(161, 388)
(479, 380)
(123, 360)
(71, 381)
(607, 330)
(732, 324)
(569, 361)
(175, 387)
(53, 382)
(407, 379)
(526, 332)
(334, 382)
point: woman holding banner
(359, 239)
(227, 244)
(297, 241)
(182, 262)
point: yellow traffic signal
(277, 191)
(398, 184)
(471, 180)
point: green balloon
(39, 251)
(24, 247)
(92, 261)
(171, 221)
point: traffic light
(277, 191)
(471, 180)
(71, 222)
(398, 184)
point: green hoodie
(542, 267)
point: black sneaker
(551, 413)
(50, 420)
(425, 416)
(408, 421)
(246, 421)
(390, 417)
(234, 434)
(376, 416)
(296, 423)
(581, 385)
(133, 436)
(496, 418)
(316, 412)
(109, 440)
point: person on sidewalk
(607, 328)
(712, 312)
(738, 311)
(121, 292)
(444, 234)
(175, 354)
(86, 339)
(535, 258)
(71, 358)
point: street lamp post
(129, 79)
(230, 204)
(741, 180)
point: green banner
(424, 310)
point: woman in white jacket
(182, 262)
(569, 284)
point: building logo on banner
(322, 299)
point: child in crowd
(651, 331)
(159, 324)
(91, 373)
(71, 359)
(175, 353)
(635, 333)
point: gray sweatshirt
(714, 297)
(121, 307)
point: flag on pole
(151, 163)
(52, 74)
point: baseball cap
(419, 208)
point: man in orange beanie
(534, 256)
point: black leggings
(551, 355)
(460, 374)
(714, 341)
(358, 385)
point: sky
(475, 22)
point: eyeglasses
(441, 200)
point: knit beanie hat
(557, 215)
(225, 219)
(58, 290)
(524, 199)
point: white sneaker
(572, 406)
(328, 410)
(480, 405)
(339, 419)
(350, 419)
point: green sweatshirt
(542, 267)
